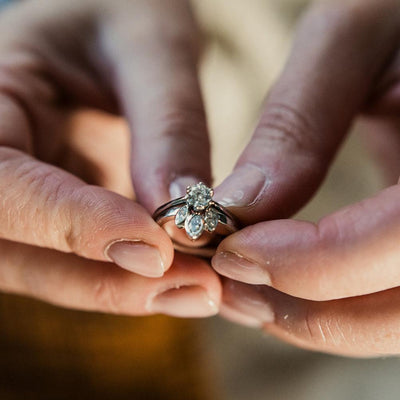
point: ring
(195, 222)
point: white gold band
(205, 222)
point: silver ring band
(205, 222)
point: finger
(48, 207)
(382, 138)
(380, 125)
(358, 326)
(189, 289)
(326, 82)
(351, 252)
(385, 100)
(67, 214)
(94, 141)
(156, 79)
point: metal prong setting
(198, 214)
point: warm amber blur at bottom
(52, 353)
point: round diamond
(199, 196)
(181, 216)
(211, 220)
(194, 226)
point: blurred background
(52, 353)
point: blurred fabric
(52, 353)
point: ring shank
(204, 246)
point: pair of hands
(330, 286)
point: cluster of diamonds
(198, 214)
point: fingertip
(233, 315)
(186, 302)
(177, 187)
(235, 266)
(200, 272)
(246, 304)
(243, 188)
(191, 289)
(119, 230)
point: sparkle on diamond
(194, 226)
(199, 196)
(181, 216)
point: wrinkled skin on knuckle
(185, 121)
(89, 215)
(52, 216)
(182, 127)
(33, 191)
(283, 127)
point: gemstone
(194, 226)
(199, 196)
(181, 216)
(211, 220)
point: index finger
(45, 206)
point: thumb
(339, 50)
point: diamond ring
(195, 222)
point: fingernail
(248, 301)
(178, 186)
(186, 301)
(235, 266)
(238, 317)
(137, 256)
(243, 188)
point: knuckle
(72, 229)
(89, 214)
(49, 188)
(186, 123)
(282, 126)
(35, 198)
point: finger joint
(283, 126)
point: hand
(331, 286)
(59, 233)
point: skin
(330, 286)
(58, 219)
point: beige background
(248, 43)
